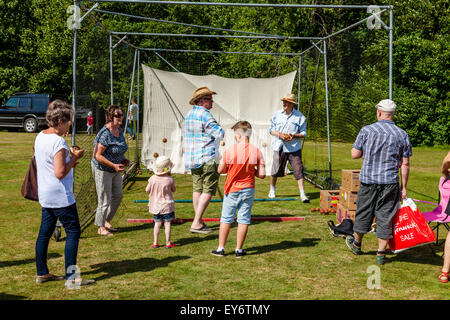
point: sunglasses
(118, 115)
(207, 99)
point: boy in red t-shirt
(241, 162)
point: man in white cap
(384, 148)
(288, 126)
(201, 136)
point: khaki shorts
(206, 178)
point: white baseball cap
(386, 105)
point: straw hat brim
(289, 100)
(201, 94)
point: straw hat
(289, 97)
(386, 105)
(200, 92)
(162, 165)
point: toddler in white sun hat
(160, 190)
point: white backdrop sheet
(166, 103)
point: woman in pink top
(160, 187)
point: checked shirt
(201, 136)
(383, 146)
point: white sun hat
(162, 165)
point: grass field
(286, 260)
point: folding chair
(438, 214)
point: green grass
(285, 261)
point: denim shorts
(165, 216)
(242, 201)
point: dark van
(26, 110)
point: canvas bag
(29, 186)
(410, 228)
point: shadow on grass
(196, 239)
(4, 264)
(306, 242)
(6, 296)
(117, 268)
(422, 255)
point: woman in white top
(54, 162)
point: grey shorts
(280, 160)
(380, 201)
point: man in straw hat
(201, 136)
(288, 126)
(385, 148)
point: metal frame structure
(316, 41)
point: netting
(93, 95)
(357, 80)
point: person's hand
(118, 167)
(404, 193)
(76, 152)
(289, 137)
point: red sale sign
(410, 228)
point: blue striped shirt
(293, 123)
(201, 136)
(383, 146)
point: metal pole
(74, 78)
(190, 35)
(391, 38)
(217, 51)
(241, 4)
(299, 80)
(111, 68)
(327, 107)
(138, 103)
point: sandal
(443, 277)
(104, 233)
(203, 229)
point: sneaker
(219, 253)
(382, 260)
(304, 198)
(240, 254)
(272, 194)
(349, 242)
(170, 245)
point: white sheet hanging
(166, 103)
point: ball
(164, 140)
(222, 143)
(156, 155)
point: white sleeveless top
(53, 193)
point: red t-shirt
(242, 160)
(90, 121)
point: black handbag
(29, 186)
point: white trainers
(304, 198)
(272, 194)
